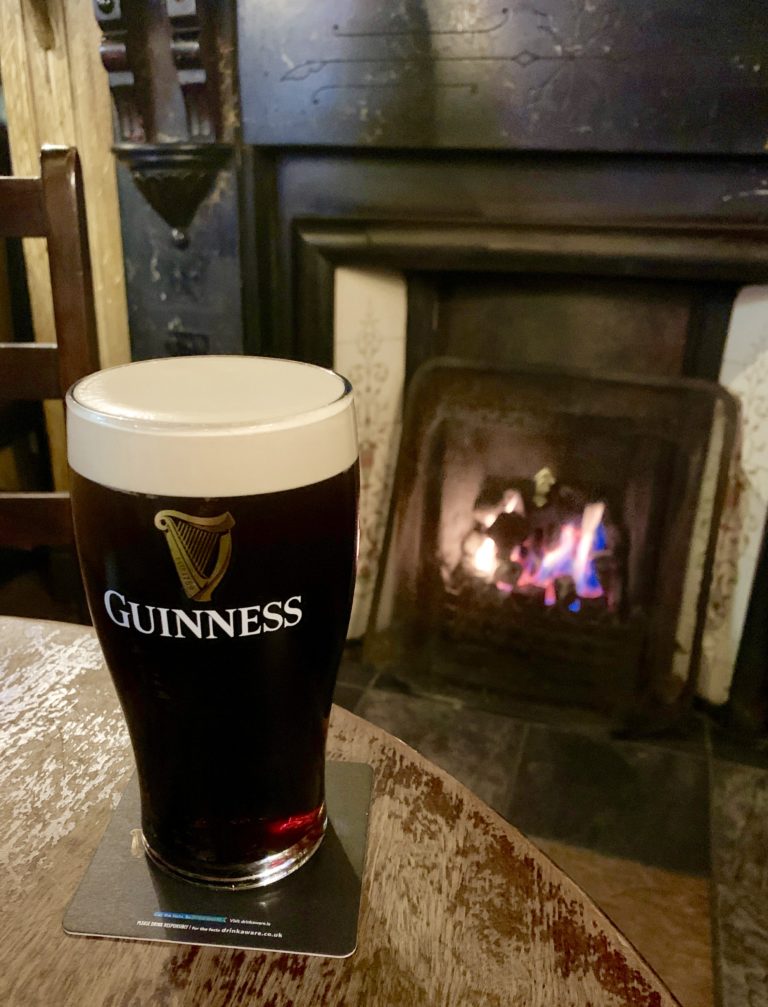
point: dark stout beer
(222, 615)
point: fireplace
(650, 300)
(543, 532)
(568, 187)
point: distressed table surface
(458, 908)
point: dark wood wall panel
(183, 299)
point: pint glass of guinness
(215, 507)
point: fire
(513, 502)
(558, 561)
(566, 564)
(486, 559)
(592, 536)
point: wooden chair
(50, 206)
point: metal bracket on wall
(174, 178)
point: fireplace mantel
(710, 253)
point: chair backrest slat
(50, 206)
(70, 264)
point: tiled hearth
(668, 835)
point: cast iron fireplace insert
(543, 527)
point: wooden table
(458, 908)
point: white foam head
(211, 426)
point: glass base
(256, 874)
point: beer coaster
(311, 912)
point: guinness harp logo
(201, 548)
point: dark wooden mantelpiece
(597, 75)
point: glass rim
(209, 427)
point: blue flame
(600, 541)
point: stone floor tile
(626, 799)
(479, 749)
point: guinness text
(202, 623)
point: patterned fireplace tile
(369, 349)
(744, 372)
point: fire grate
(589, 656)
